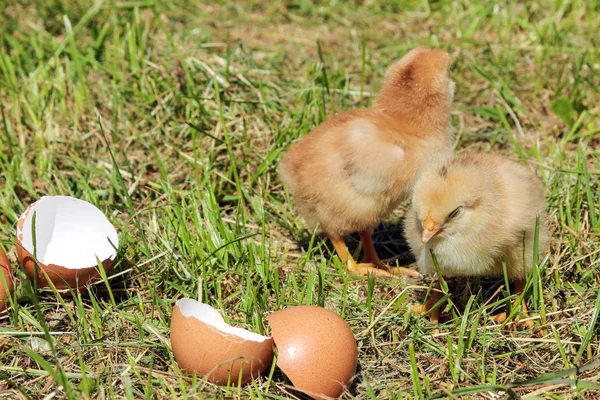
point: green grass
(171, 118)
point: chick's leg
(371, 257)
(363, 269)
(500, 318)
(435, 296)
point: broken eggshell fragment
(204, 344)
(6, 281)
(315, 349)
(71, 236)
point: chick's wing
(370, 157)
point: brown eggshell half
(204, 344)
(62, 278)
(316, 349)
(6, 281)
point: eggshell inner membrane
(70, 232)
(210, 316)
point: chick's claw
(434, 317)
(500, 318)
(366, 269)
(375, 262)
(393, 271)
(404, 271)
(435, 296)
(378, 268)
(423, 309)
(420, 309)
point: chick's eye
(455, 212)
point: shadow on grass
(388, 239)
(119, 279)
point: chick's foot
(423, 309)
(366, 269)
(405, 271)
(435, 296)
(517, 321)
(500, 318)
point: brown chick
(354, 169)
(473, 211)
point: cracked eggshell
(6, 281)
(71, 236)
(316, 349)
(204, 344)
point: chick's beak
(430, 228)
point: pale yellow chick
(475, 210)
(354, 169)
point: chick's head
(451, 200)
